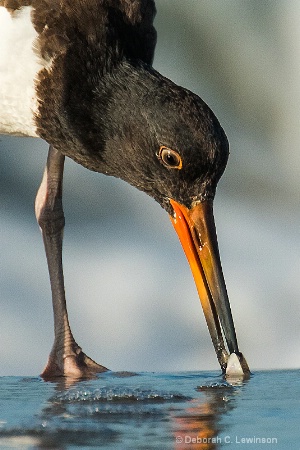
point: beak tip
(237, 366)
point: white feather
(19, 65)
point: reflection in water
(200, 425)
(118, 410)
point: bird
(79, 74)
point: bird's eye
(169, 158)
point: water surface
(185, 410)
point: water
(185, 410)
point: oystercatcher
(78, 73)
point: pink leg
(66, 357)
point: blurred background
(131, 297)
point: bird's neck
(79, 116)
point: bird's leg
(66, 357)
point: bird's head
(161, 138)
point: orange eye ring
(169, 158)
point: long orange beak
(197, 233)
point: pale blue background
(131, 297)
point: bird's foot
(237, 367)
(72, 364)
